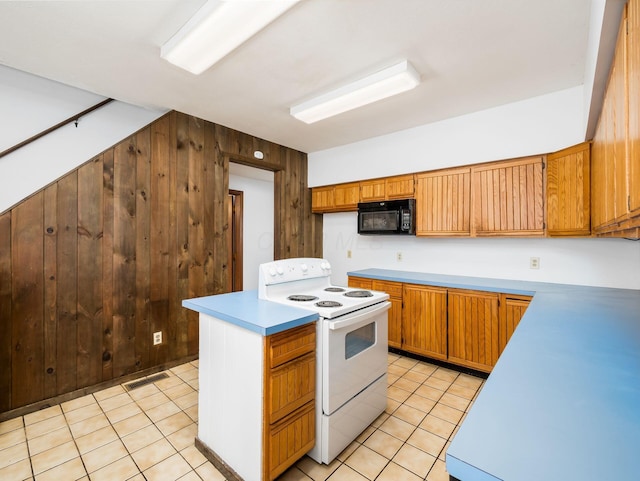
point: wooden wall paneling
(27, 311)
(179, 234)
(107, 265)
(293, 209)
(50, 237)
(123, 237)
(143, 248)
(160, 233)
(124, 258)
(5, 312)
(197, 186)
(633, 90)
(67, 282)
(218, 189)
(89, 317)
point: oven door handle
(365, 313)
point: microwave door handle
(366, 313)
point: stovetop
(306, 283)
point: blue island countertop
(245, 310)
(563, 401)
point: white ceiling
(471, 55)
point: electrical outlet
(157, 338)
(534, 263)
(399, 256)
(349, 254)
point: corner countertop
(245, 310)
(563, 401)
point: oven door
(354, 354)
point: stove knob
(325, 265)
(304, 268)
(280, 271)
(272, 272)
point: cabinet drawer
(394, 289)
(288, 345)
(360, 283)
(291, 438)
(291, 385)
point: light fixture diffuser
(219, 27)
(382, 84)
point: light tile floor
(148, 433)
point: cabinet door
(609, 186)
(322, 199)
(394, 289)
(400, 187)
(372, 190)
(568, 192)
(473, 328)
(511, 311)
(507, 198)
(347, 196)
(424, 320)
(633, 78)
(443, 203)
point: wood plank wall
(94, 263)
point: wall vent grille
(147, 380)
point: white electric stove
(351, 348)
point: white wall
(257, 186)
(535, 126)
(31, 104)
(597, 262)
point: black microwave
(387, 217)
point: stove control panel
(288, 270)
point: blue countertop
(563, 401)
(244, 309)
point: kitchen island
(563, 401)
(250, 349)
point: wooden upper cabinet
(322, 199)
(347, 196)
(507, 198)
(372, 190)
(389, 188)
(335, 198)
(399, 187)
(633, 85)
(443, 200)
(615, 154)
(568, 192)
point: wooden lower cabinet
(289, 401)
(473, 337)
(469, 328)
(394, 289)
(424, 320)
(512, 309)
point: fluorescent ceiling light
(219, 27)
(385, 83)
